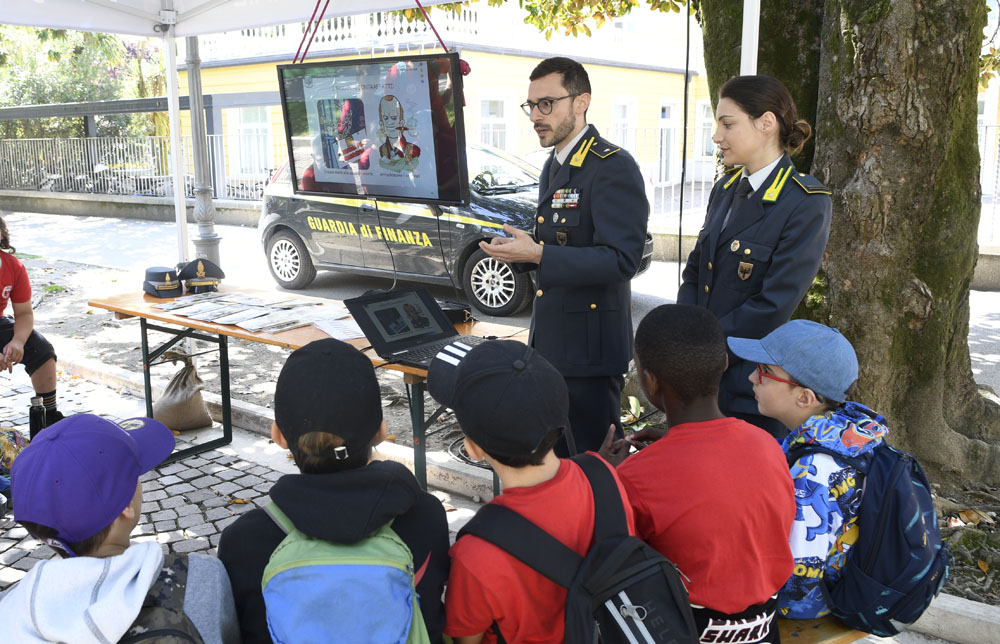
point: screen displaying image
(403, 318)
(379, 127)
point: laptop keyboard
(425, 354)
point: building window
(492, 126)
(253, 127)
(667, 141)
(706, 121)
(623, 123)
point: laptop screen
(400, 319)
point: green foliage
(570, 17)
(631, 415)
(42, 66)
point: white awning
(190, 17)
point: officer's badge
(566, 198)
(562, 237)
(745, 269)
(735, 246)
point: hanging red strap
(463, 66)
(315, 31)
(311, 28)
(433, 28)
(306, 33)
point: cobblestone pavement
(187, 504)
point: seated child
(513, 406)
(328, 414)
(19, 342)
(805, 372)
(713, 495)
(76, 488)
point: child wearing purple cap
(805, 374)
(76, 488)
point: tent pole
(176, 159)
(751, 37)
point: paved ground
(186, 505)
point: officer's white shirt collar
(757, 178)
(564, 154)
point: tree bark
(895, 121)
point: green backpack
(320, 591)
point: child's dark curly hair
(5, 238)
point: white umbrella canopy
(190, 17)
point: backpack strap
(860, 463)
(526, 542)
(609, 509)
(279, 517)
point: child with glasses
(805, 374)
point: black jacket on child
(344, 508)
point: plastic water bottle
(36, 417)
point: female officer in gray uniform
(765, 230)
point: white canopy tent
(188, 17)
(171, 18)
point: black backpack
(899, 562)
(623, 591)
(162, 618)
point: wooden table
(823, 630)
(141, 305)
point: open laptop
(405, 326)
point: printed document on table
(346, 329)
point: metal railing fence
(242, 163)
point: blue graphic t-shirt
(827, 496)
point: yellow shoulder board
(810, 184)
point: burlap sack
(181, 406)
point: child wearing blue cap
(76, 488)
(805, 374)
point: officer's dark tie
(743, 191)
(553, 169)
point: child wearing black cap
(713, 494)
(512, 405)
(19, 342)
(328, 414)
(76, 488)
(805, 373)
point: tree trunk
(895, 123)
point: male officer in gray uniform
(587, 244)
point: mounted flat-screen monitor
(377, 128)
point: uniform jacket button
(593, 306)
(539, 292)
(541, 243)
(706, 288)
(541, 220)
(710, 266)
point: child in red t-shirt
(513, 406)
(713, 494)
(19, 342)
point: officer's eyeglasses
(761, 374)
(545, 105)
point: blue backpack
(320, 591)
(899, 562)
